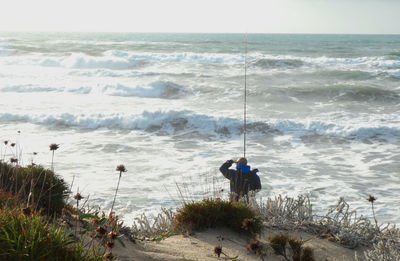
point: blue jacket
(242, 180)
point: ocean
(322, 115)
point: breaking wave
(128, 60)
(169, 122)
(165, 90)
(118, 60)
(180, 122)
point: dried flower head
(121, 168)
(109, 256)
(253, 245)
(27, 211)
(95, 220)
(6, 142)
(247, 222)
(12, 144)
(371, 198)
(101, 230)
(110, 245)
(35, 153)
(111, 216)
(78, 196)
(112, 235)
(218, 250)
(54, 146)
(13, 160)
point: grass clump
(27, 236)
(36, 186)
(218, 213)
(291, 249)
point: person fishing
(242, 180)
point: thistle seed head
(54, 146)
(6, 142)
(112, 235)
(78, 196)
(253, 245)
(121, 168)
(110, 245)
(371, 198)
(12, 144)
(109, 256)
(13, 160)
(101, 230)
(26, 211)
(218, 250)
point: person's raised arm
(225, 169)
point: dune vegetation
(41, 219)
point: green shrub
(218, 213)
(37, 180)
(291, 247)
(31, 237)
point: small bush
(218, 213)
(29, 237)
(291, 247)
(36, 183)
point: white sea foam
(29, 88)
(355, 130)
(81, 90)
(166, 90)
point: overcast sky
(216, 16)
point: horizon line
(172, 32)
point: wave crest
(185, 122)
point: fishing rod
(244, 99)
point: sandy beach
(200, 246)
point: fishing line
(244, 100)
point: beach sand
(200, 246)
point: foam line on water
(157, 89)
